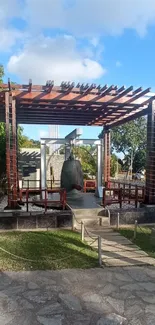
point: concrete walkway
(118, 250)
(109, 296)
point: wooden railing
(61, 202)
(28, 183)
(127, 193)
(89, 185)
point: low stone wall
(142, 215)
(34, 220)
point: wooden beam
(120, 95)
(128, 118)
(133, 98)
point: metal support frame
(67, 151)
(73, 135)
(67, 142)
(99, 188)
(43, 168)
(107, 157)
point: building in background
(53, 133)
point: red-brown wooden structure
(88, 105)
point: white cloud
(57, 59)
(92, 17)
(94, 41)
(43, 134)
(8, 35)
(8, 38)
(8, 9)
(118, 64)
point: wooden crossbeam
(128, 118)
(120, 95)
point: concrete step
(90, 222)
(89, 212)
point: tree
(1, 73)
(25, 142)
(88, 157)
(115, 166)
(129, 137)
(139, 162)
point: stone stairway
(90, 217)
(116, 249)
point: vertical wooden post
(150, 157)
(14, 153)
(99, 250)
(109, 217)
(104, 197)
(120, 197)
(7, 126)
(17, 224)
(118, 220)
(136, 196)
(72, 221)
(82, 230)
(107, 157)
(135, 229)
(36, 222)
(129, 193)
(11, 150)
(27, 200)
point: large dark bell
(72, 175)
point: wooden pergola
(70, 104)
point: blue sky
(100, 41)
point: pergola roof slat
(81, 104)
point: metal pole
(109, 217)
(118, 220)
(99, 251)
(82, 230)
(135, 230)
(67, 151)
(43, 169)
(73, 222)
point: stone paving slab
(118, 250)
(125, 254)
(101, 296)
(128, 262)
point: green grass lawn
(47, 250)
(142, 238)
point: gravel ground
(32, 207)
(3, 204)
(125, 206)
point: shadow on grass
(143, 239)
(48, 250)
